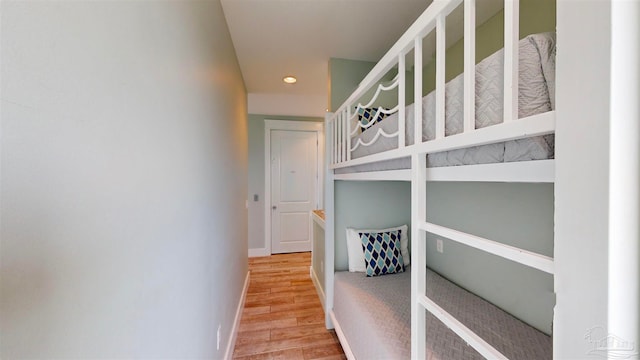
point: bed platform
(374, 314)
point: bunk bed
(452, 134)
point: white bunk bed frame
(339, 132)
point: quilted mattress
(375, 317)
(536, 95)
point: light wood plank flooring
(283, 317)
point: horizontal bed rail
(541, 124)
(475, 341)
(524, 257)
(538, 171)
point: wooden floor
(283, 317)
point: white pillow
(356, 254)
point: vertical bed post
(511, 38)
(333, 145)
(329, 233)
(418, 254)
(342, 136)
(440, 78)
(470, 65)
(348, 120)
(338, 141)
(345, 134)
(401, 100)
(418, 216)
(417, 91)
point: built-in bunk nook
(494, 122)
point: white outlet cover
(439, 246)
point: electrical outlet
(218, 346)
(439, 246)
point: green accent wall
(344, 77)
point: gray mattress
(375, 317)
(536, 96)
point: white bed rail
(344, 126)
(524, 257)
(342, 121)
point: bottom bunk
(372, 316)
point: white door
(294, 170)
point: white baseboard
(343, 340)
(236, 322)
(316, 283)
(259, 252)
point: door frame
(291, 125)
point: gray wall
(123, 184)
(256, 174)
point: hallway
(283, 316)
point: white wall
(124, 179)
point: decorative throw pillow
(354, 246)
(368, 115)
(382, 253)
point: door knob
(274, 207)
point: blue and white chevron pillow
(382, 253)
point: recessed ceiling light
(290, 79)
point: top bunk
(493, 122)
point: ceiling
(275, 38)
